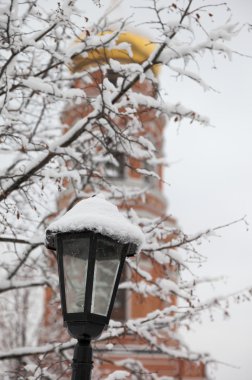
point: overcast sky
(211, 184)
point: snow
(118, 67)
(38, 84)
(109, 346)
(118, 375)
(99, 215)
(17, 284)
(23, 351)
(169, 286)
(148, 173)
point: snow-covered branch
(7, 285)
(77, 120)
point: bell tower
(130, 173)
(100, 64)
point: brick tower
(152, 205)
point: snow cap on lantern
(98, 215)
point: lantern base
(85, 330)
(82, 361)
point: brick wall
(152, 205)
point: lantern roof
(98, 215)
(128, 48)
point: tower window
(112, 76)
(116, 170)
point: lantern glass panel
(108, 256)
(75, 261)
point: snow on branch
(27, 351)
(181, 239)
(7, 285)
(118, 375)
(67, 135)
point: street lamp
(92, 241)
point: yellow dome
(141, 49)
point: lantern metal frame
(85, 326)
(88, 324)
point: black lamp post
(90, 264)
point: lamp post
(92, 241)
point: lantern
(92, 241)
